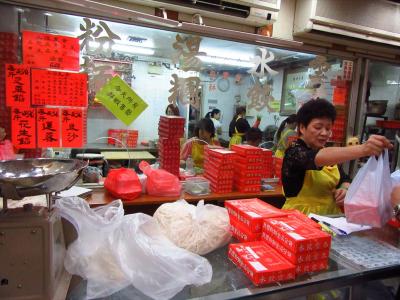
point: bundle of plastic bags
(199, 229)
(367, 201)
(114, 251)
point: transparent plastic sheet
(367, 201)
(114, 251)
(160, 182)
(199, 229)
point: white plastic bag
(367, 201)
(113, 251)
(395, 176)
(199, 229)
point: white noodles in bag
(199, 229)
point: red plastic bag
(123, 183)
(160, 182)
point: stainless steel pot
(377, 107)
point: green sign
(121, 100)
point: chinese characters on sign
(59, 88)
(261, 63)
(260, 96)
(48, 127)
(18, 85)
(23, 128)
(93, 33)
(186, 89)
(121, 100)
(43, 50)
(320, 67)
(72, 127)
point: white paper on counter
(75, 191)
(340, 223)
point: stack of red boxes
(278, 168)
(338, 128)
(268, 163)
(261, 263)
(128, 137)
(305, 246)
(249, 168)
(246, 217)
(218, 169)
(170, 130)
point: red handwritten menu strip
(23, 128)
(43, 50)
(48, 127)
(18, 85)
(72, 127)
(59, 88)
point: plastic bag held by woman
(123, 183)
(367, 201)
(199, 229)
(160, 182)
(113, 252)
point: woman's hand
(375, 145)
(340, 193)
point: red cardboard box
(248, 188)
(258, 159)
(245, 150)
(242, 233)
(247, 181)
(295, 258)
(294, 213)
(313, 266)
(252, 212)
(261, 264)
(295, 235)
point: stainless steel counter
(229, 282)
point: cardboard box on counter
(242, 233)
(261, 263)
(252, 212)
(295, 235)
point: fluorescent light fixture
(133, 49)
(123, 48)
(218, 52)
(392, 82)
(226, 61)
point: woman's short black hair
(318, 108)
(205, 124)
(212, 113)
(254, 134)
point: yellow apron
(198, 154)
(283, 143)
(316, 195)
(236, 138)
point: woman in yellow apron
(311, 179)
(285, 134)
(238, 127)
(204, 135)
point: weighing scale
(32, 246)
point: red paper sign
(43, 50)
(72, 127)
(59, 88)
(48, 127)
(23, 128)
(18, 85)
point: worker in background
(254, 136)
(238, 126)
(285, 134)
(204, 135)
(6, 147)
(311, 179)
(172, 110)
(215, 116)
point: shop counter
(348, 279)
(122, 155)
(101, 197)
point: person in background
(172, 110)
(238, 126)
(254, 136)
(311, 179)
(286, 132)
(204, 135)
(6, 147)
(215, 116)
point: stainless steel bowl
(30, 177)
